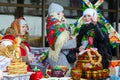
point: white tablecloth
(6, 76)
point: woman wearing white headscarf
(92, 34)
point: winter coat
(97, 37)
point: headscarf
(90, 11)
(54, 7)
(57, 34)
(15, 28)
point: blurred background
(35, 12)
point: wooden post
(19, 10)
(111, 5)
(43, 23)
(117, 25)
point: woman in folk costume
(92, 34)
(19, 28)
(58, 36)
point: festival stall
(87, 65)
(41, 71)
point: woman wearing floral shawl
(57, 35)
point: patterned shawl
(56, 36)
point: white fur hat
(91, 12)
(54, 7)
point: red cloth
(28, 68)
(23, 52)
(9, 37)
(27, 45)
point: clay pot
(100, 73)
(95, 74)
(105, 73)
(76, 73)
(88, 74)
